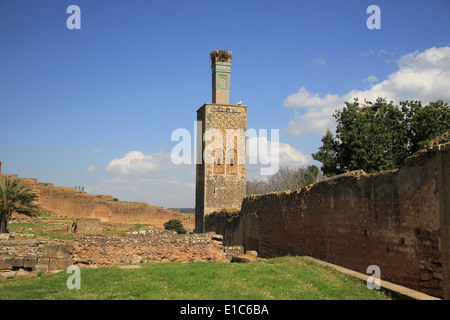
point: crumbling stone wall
(87, 225)
(74, 204)
(146, 246)
(69, 202)
(34, 255)
(398, 220)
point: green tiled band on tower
(221, 70)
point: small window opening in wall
(231, 161)
(218, 161)
(214, 191)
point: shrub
(175, 225)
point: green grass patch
(287, 278)
(41, 228)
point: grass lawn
(287, 278)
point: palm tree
(15, 198)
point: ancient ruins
(398, 220)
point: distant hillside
(184, 210)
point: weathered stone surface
(87, 225)
(30, 261)
(58, 250)
(152, 246)
(5, 236)
(6, 263)
(398, 220)
(18, 261)
(28, 255)
(221, 183)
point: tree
(15, 197)
(175, 225)
(380, 136)
(328, 154)
(287, 178)
(425, 123)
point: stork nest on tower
(220, 55)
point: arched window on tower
(231, 162)
(219, 168)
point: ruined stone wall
(73, 204)
(397, 220)
(33, 255)
(69, 202)
(146, 246)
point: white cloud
(91, 169)
(370, 79)
(151, 178)
(98, 150)
(289, 156)
(421, 76)
(304, 99)
(133, 162)
(320, 61)
(148, 178)
(268, 162)
(315, 120)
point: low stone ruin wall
(87, 226)
(31, 257)
(146, 246)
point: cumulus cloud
(133, 162)
(370, 79)
(304, 99)
(423, 76)
(137, 176)
(150, 178)
(265, 156)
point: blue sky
(74, 102)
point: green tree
(287, 178)
(379, 136)
(15, 197)
(310, 175)
(175, 225)
(424, 123)
(328, 155)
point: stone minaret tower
(221, 176)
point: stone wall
(74, 204)
(221, 183)
(33, 256)
(69, 202)
(397, 220)
(146, 246)
(87, 226)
